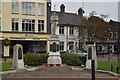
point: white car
(81, 53)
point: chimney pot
(80, 11)
(62, 8)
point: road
(109, 58)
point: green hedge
(83, 60)
(72, 59)
(32, 59)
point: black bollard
(111, 67)
(93, 69)
(5, 60)
(118, 60)
(109, 59)
(117, 68)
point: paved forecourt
(57, 73)
(59, 79)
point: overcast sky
(109, 7)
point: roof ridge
(65, 13)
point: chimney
(62, 8)
(80, 11)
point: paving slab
(56, 72)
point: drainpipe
(66, 38)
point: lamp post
(109, 40)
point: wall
(7, 16)
(119, 11)
(71, 38)
(0, 47)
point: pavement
(61, 73)
(60, 79)
(56, 72)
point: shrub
(81, 49)
(32, 59)
(42, 58)
(83, 59)
(70, 59)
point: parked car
(79, 52)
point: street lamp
(109, 40)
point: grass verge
(106, 65)
(5, 66)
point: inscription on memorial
(54, 47)
(58, 47)
(89, 53)
(19, 53)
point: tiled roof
(68, 19)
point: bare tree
(86, 31)
(93, 13)
(92, 29)
(103, 16)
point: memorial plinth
(91, 49)
(54, 55)
(18, 62)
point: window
(61, 46)
(71, 30)
(116, 48)
(61, 29)
(99, 49)
(41, 25)
(0, 6)
(104, 48)
(15, 24)
(28, 8)
(116, 34)
(40, 9)
(111, 34)
(15, 6)
(71, 45)
(0, 23)
(28, 25)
